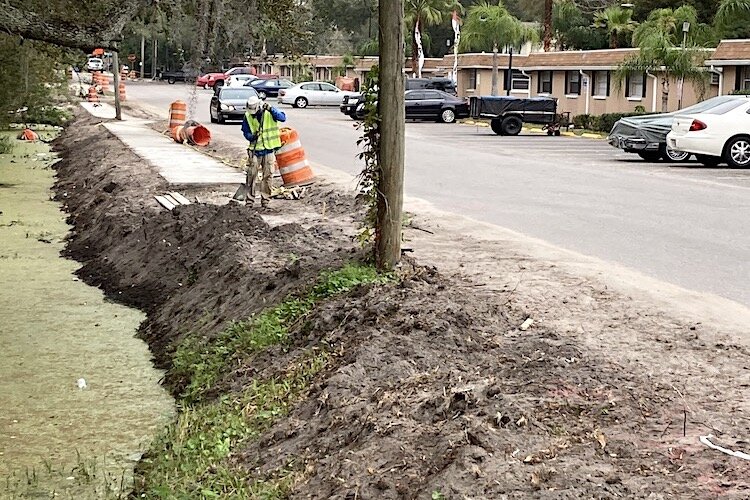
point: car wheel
(708, 160)
(300, 102)
(670, 154)
(171, 80)
(206, 86)
(448, 116)
(512, 125)
(496, 126)
(650, 156)
(737, 152)
(218, 83)
(262, 95)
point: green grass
(192, 458)
(199, 363)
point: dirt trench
(433, 390)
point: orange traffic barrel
(93, 96)
(28, 135)
(177, 133)
(104, 80)
(177, 113)
(121, 90)
(197, 135)
(293, 165)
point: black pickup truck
(508, 114)
(176, 76)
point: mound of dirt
(433, 389)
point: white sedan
(239, 79)
(313, 93)
(721, 133)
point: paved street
(681, 223)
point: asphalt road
(680, 223)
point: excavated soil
(432, 387)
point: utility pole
(143, 55)
(154, 66)
(116, 82)
(392, 119)
(685, 29)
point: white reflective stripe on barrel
(288, 169)
(289, 147)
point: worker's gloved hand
(266, 106)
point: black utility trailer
(508, 114)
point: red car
(217, 79)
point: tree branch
(36, 26)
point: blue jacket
(277, 115)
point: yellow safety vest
(269, 138)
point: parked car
(646, 135)
(420, 105)
(210, 80)
(229, 103)
(239, 80)
(270, 88)
(313, 94)
(721, 133)
(437, 83)
(95, 64)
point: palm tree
(616, 20)
(420, 14)
(660, 41)
(492, 27)
(728, 9)
(547, 25)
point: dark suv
(350, 104)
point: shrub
(741, 92)
(582, 121)
(48, 115)
(6, 144)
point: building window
(519, 81)
(743, 73)
(601, 83)
(635, 85)
(545, 82)
(572, 83)
(473, 79)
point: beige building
(584, 82)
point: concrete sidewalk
(175, 162)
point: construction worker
(260, 127)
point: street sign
(131, 57)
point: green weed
(6, 145)
(200, 363)
(190, 459)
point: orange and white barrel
(104, 79)
(293, 165)
(92, 96)
(177, 114)
(177, 134)
(121, 90)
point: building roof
(732, 50)
(578, 59)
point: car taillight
(697, 125)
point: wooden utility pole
(392, 119)
(154, 66)
(116, 83)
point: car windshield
(725, 107)
(704, 106)
(238, 93)
(95, 60)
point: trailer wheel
(496, 126)
(512, 125)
